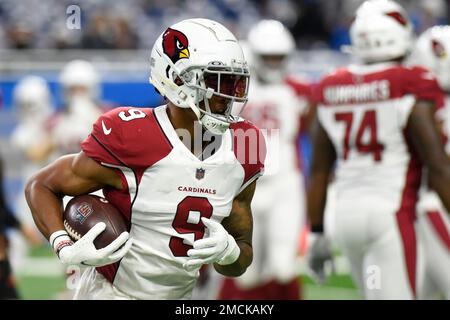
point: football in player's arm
(78, 174)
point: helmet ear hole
(178, 81)
(432, 51)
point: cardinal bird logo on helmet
(175, 45)
(438, 49)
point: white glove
(219, 247)
(83, 251)
(319, 257)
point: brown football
(85, 211)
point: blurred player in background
(80, 85)
(276, 105)
(33, 107)
(432, 50)
(186, 199)
(32, 138)
(376, 123)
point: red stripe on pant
(406, 216)
(409, 242)
(439, 226)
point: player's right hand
(319, 256)
(219, 247)
(83, 251)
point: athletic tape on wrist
(60, 239)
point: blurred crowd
(131, 24)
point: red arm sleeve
(104, 146)
(301, 88)
(423, 85)
(250, 149)
(129, 137)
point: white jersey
(71, 127)
(364, 111)
(26, 136)
(166, 192)
(276, 109)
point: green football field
(43, 278)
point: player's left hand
(219, 247)
(319, 255)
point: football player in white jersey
(182, 174)
(275, 106)
(376, 125)
(33, 108)
(31, 136)
(32, 139)
(432, 50)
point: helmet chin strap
(214, 125)
(195, 109)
